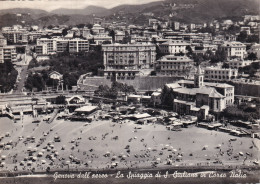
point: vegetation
(250, 69)
(244, 37)
(60, 99)
(243, 112)
(70, 66)
(8, 76)
(116, 87)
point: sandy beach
(103, 144)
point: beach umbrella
(67, 162)
(7, 147)
(179, 156)
(56, 153)
(113, 164)
(29, 148)
(29, 163)
(43, 161)
(3, 157)
(40, 154)
(149, 148)
(158, 159)
(174, 150)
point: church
(199, 98)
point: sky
(74, 4)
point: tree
(242, 36)
(112, 34)
(252, 56)
(167, 97)
(225, 65)
(60, 99)
(64, 32)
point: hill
(86, 11)
(188, 11)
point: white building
(173, 47)
(220, 74)
(235, 49)
(41, 49)
(236, 63)
(173, 65)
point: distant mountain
(23, 11)
(134, 8)
(188, 11)
(206, 10)
(86, 11)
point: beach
(103, 144)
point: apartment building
(78, 45)
(220, 74)
(41, 49)
(128, 58)
(234, 49)
(237, 63)
(16, 36)
(61, 45)
(8, 53)
(173, 65)
(50, 42)
(173, 47)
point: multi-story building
(173, 47)
(16, 36)
(121, 59)
(197, 97)
(237, 63)
(173, 65)
(234, 49)
(220, 74)
(61, 45)
(78, 45)
(41, 49)
(8, 53)
(97, 29)
(51, 44)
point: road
(22, 75)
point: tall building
(8, 53)
(78, 45)
(61, 45)
(173, 65)
(16, 36)
(128, 59)
(51, 44)
(41, 49)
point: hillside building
(173, 65)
